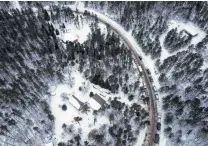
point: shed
(74, 101)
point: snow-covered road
(136, 50)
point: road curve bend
(150, 135)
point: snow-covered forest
(55, 60)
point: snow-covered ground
(80, 33)
(71, 87)
(67, 116)
(72, 33)
(148, 62)
(141, 137)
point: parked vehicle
(154, 88)
(140, 69)
(158, 126)
(156, 96)
(151, 79)
(157, 138)
(140, 57)
(148, 71)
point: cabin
(96, 102)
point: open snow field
(72, 33)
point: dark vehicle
(148, 71)
(158, 126)
(151, 79)
(140, 57)
(157, 138)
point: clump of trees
(175, 40)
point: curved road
(150, 135)
(149, 140)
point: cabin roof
(99, 99)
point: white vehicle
(154, 88)
(156, 96)
(158, 116)
(140, 69)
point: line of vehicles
(129, 46)
(158, 122)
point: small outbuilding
(75, 102)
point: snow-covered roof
(99, 99)
(94, 104)
(74, 102)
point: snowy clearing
(67, 116)
(72, 87)
(72, 33)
